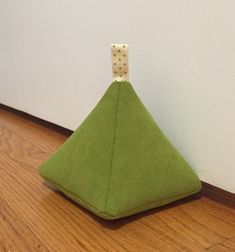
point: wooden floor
(34, 217)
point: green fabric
(118, 162)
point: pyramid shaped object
(118, 162)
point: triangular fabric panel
(118, 162)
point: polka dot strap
(120, 62)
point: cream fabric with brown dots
(120, 62)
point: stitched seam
(80, 200)
(114, 139)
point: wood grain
(36, 217)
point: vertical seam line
(114, 140)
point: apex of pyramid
(119, 162)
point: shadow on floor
(118, 223)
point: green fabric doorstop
(118, 162)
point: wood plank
(227, 246)
(15, 235)
(45, 138)
(220, 211)
(211, 223)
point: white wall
(2, 31)
(182, 58)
